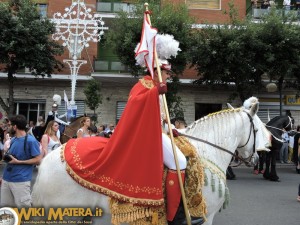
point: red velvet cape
(129, 165)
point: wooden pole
(187, 215)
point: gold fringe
(194, 178)
(62, 150)
(136, 215)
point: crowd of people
(266, 4)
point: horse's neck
(222, 130)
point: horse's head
(248, 143)
(277, 126)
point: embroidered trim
(147, 83)
(105, 191)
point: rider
(175, 211)
(53, 115)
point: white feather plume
(57, 99)
(166, 47)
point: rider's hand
(162, 88)
(175, 133)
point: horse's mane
(213, 115)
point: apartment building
(33, 96)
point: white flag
(66, 100)
(146, 47)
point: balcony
(258, 13)
(114, 7)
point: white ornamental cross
(76, 28)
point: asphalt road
(255, 201)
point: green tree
(25, 42)
(93, 96)
(242, 53)
(168, 18)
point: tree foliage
(168, 18)
(93, 95)
(25, 42)
(244, 53)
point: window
(120, 108)
(43, 10)
(204, 4)
(31, 109)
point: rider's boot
(175, 209)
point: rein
(227, 151)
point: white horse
(228, 129)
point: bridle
(245, 160)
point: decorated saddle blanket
(82, 162)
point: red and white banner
(146, 46)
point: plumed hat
(56, 100)
(249, 102)
(166, 47)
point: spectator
(291, 147)
(39, 130)
(295, 147)
(110, 128)
(92, 130)
(50, 140)
(265, 4)
(283, 156)
(85, 124)
(101, 130)
(254, 4)
(17, 175)
(1, 142)
(31, 126)
(108, 134)
(297, 4)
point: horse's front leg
(267, 170)
(273, 173)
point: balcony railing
(259, 13)
(114, 7)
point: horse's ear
(254, 109)
(229, 106)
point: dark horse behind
(70, 131)
(276, 126)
